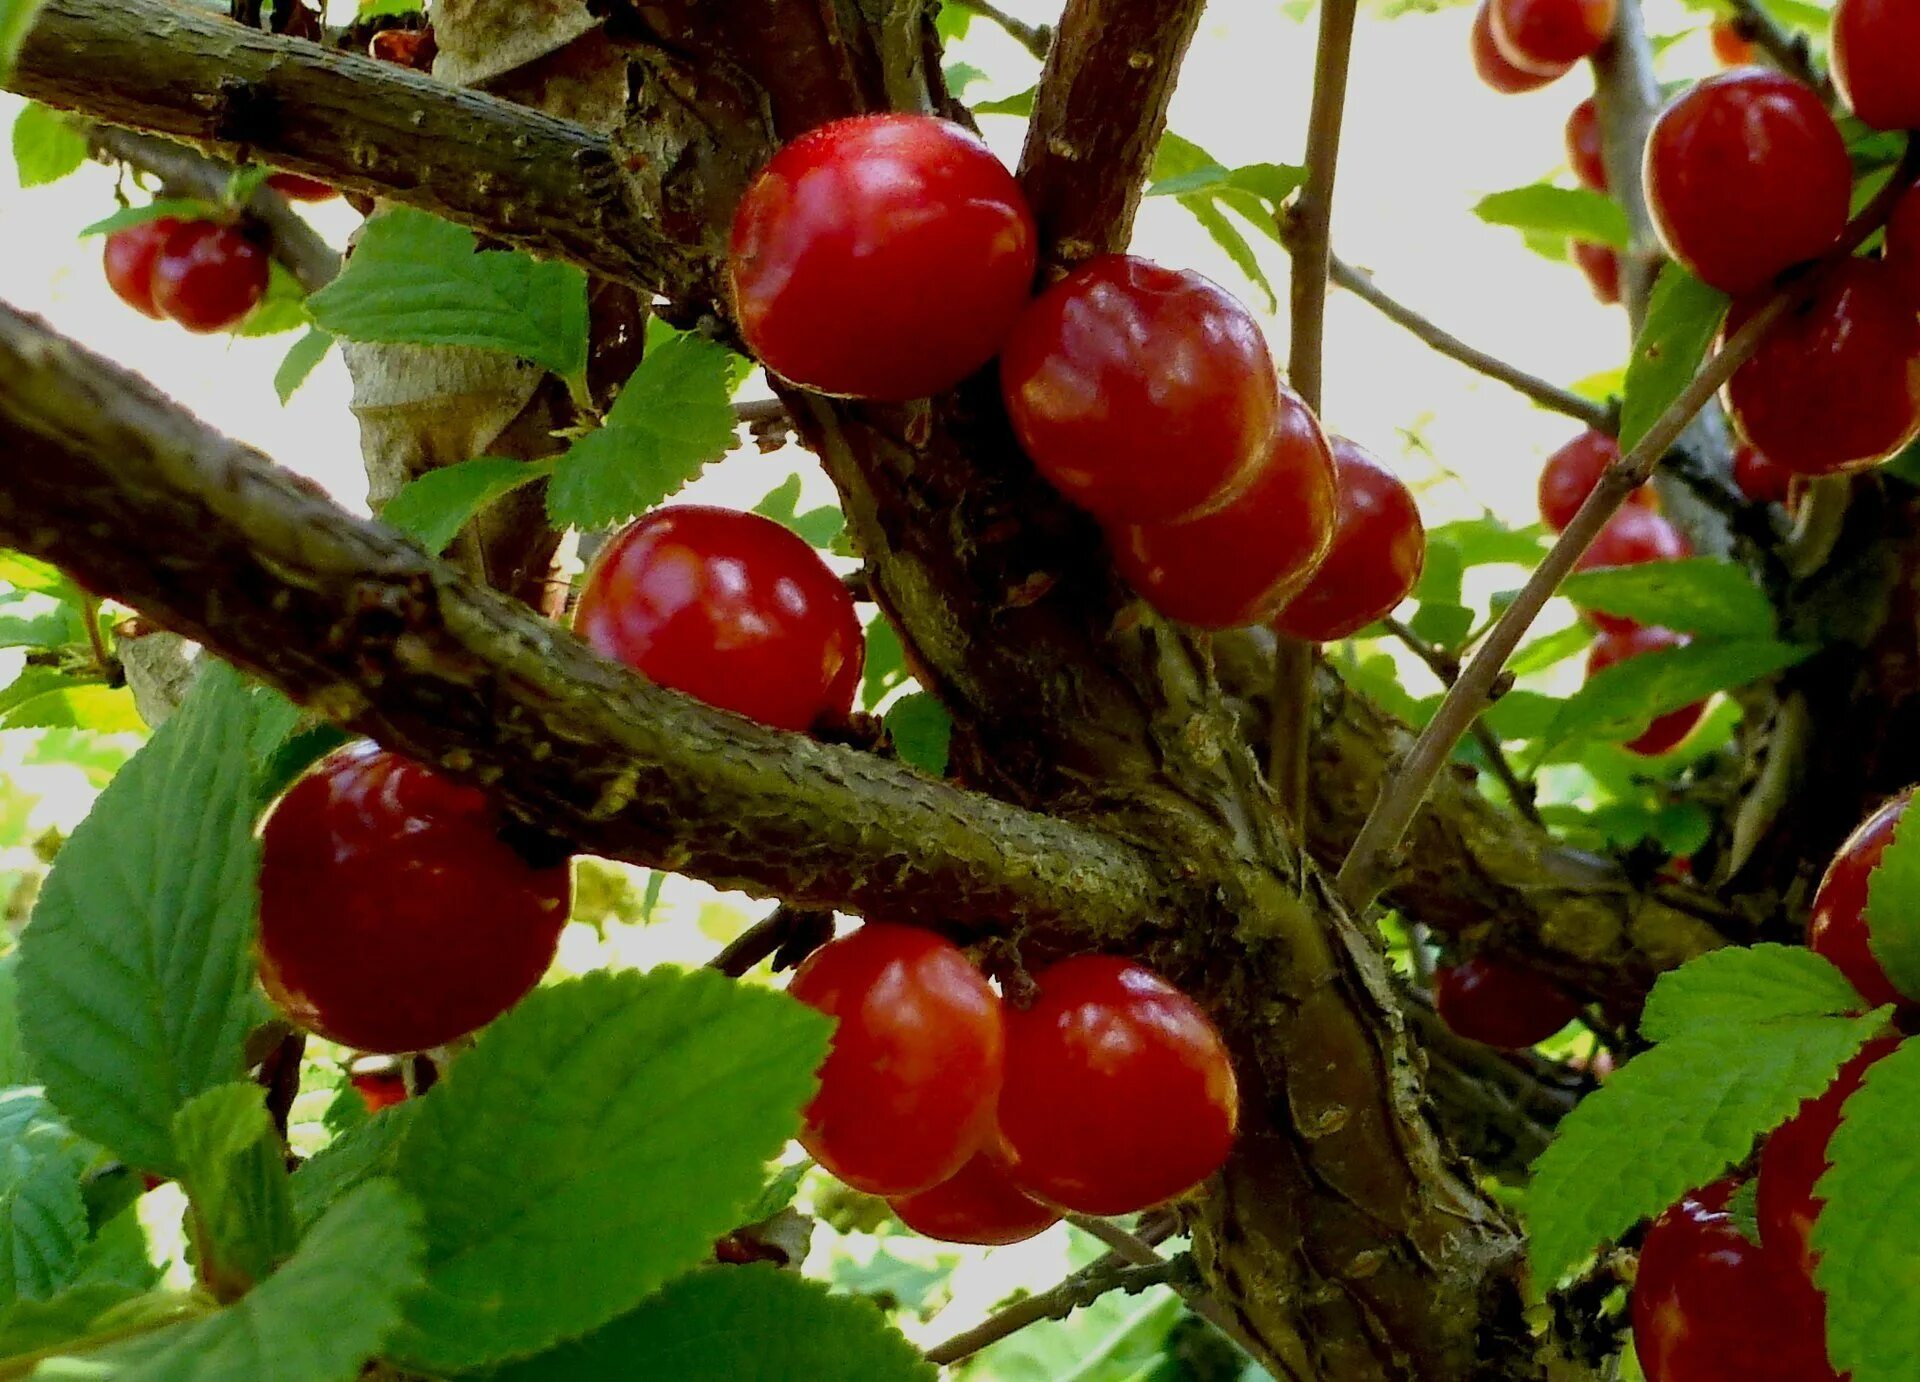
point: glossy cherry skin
(208, 276)
(129, 262)
(1838, 928)
(978, 1205)
(1795, 1158)
(1585, 148)
(1665, 733)
(731, 608)
(1144, 394)
(1759, 478)
(392, 916)
(1635, 534)
(298, 189)
(883, 256)
(1545, 35)
(1729, 48)
(1119, 1092)
(1746, 176)
(919, 1046)
(1876, 61)
(1492, 65)
(1379, 547)
(1570, 474)
(1902, 252)
(1500, 1003)
(1711, 1305)
(414, 48)
(1602, 268)
(380, 1089)
(1238, 565)
(1835, 385)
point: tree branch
(1033, 37)
(1311, 234)
(1447, 667)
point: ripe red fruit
(1492, 65)
(1237, 565)
(908, 1088)
(883, 256)
(1635, 534)
(1876, 61)
(1570, 474)
(1585, 148)
(1902, 252)
(1545, 35)
(379, 1089)
(1834, 385)
(413, 48)
(1602, 268)
(1759, 478)
(1838, 929)
(1666, 732)
(1119, 1091)
(129, 262)
(1500, 1003)
(1144, 394)
(1795, 1158)
(1729, 47)
(729, 607)
(1747, 175)
(1710, 1305)
(978, 1205)
(296, 188)
(1379, 547)
(392, 915)
(208, 276)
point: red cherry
(1119, 1093)
(1498, 1002)
(1835, 385)
(413, 48)
(1795, 1158)
(1634, 535)
(1492, 65)
(1602, 268)
(1237, 565)
(379, 1089)
(907, 1091)
(392, 916)
(1585, 147)
(1902, 252)
(1746, 176)
(129, 262)
(1665, 733)
(1838, 928)
(729, 607)
(1711, 1305)
(296, 188)
(1760, 479)
(1876, 61)
(1570, 474)
(1144, 394)
(883, 256)
(1379, 547)
(1729, 47)
(1544, 36)
(208, 276)
(979, 1205)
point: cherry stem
(1790, 51)
(769, 935)
(1033, 37)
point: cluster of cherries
(1709, 1301)
(891, 257)
(981, 1122)
(205, 275)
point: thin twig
(1084, 1287)
(1033, 37)
(1789, 49)
(1132, 1248)
(1446, 666)
(781, 927)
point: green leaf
(181, 208)
(46, 145)
(23, 572)
(1619, 702)
(14, 1069)
(352, 1158)
(78, 705)
(1550, 650)
(693, 1332)
(776, 1194)
(1708, 596)
(434, 507)
(1119, 1338)
(671, 419)
(921, 730)
(1489, 542)
(1893, 901)
(301, 360)
(31, 1326)
(46, 630)
(1683, 316)
(136, 981)
(1868, 1233)
(886, 665)
(1760, 983)
(283, 309)
(1020, 103)
(235, 1173)
(16, 17)
(1672, 1119)
(626, 1120)
(818, 527)
(1577, 212)
(1272, 183)
(43, 1220)
(418, 280)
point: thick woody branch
(141, 502)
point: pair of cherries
(205, 275)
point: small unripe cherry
(1876, 61)
(979, 1204)
(1545, 35)
(1746, 176)
(1237, 565)
(1634, 535)
(1144, 394)
(1666, 732)
(1602, 268)
(1379, 547)
(128, 261)
(1500, 1003)
(208, 276)
(1838, 928)
(1730, 48)
(1759, 478)
(1492, 65)
(1570, 474)
(296, 188)
(1586, 150)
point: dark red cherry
(1729, 48)
(1665, 733)
(1876, 61)
(1902, 253)
(1545, 35)
(1492, 65)
(1501, 1003)
(1586, 149)
(978, 1205)
(1760, 479)
(1570, 474)
(1239, 564)
(883, 256)
(300, 189)
(729, 607)
(1119, 1091)
(414, 48)
(392, 916)
(1635, 534)
(1602, 268)
(1379, 547)
(919, 1045)
(1144, 394)
(1838, 928)
(1835, 384)
(1746, 176)
(208, 276)
(129, 262)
